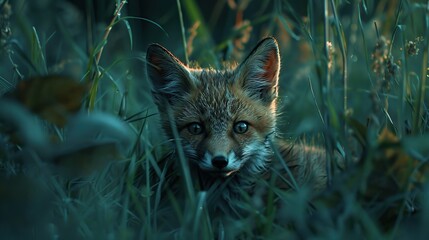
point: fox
(226, 121)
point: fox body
(226, 120)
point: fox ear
(259, 72)
(170, 78)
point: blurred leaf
(400, 166)
(91, 143)
(417, 146)
(16, 120)
(52, 97)
(85, 160)
(98, 126)
(397, 163)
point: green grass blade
(146, 20)
(417, 126)
(23, 55)
(182, 28)
(130, 32)
(37, 55)
(70, 42)
(190, 192)
(285, 25)
(195, 14)
(343, 48)
(5, 85)
(403, 86)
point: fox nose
(219, 162)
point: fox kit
(226, 122)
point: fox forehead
(219, 101)
(212, 98)
(217, 98)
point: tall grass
(353, 81)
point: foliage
(79, 130)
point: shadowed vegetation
(80, 135)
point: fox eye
(241, 127)
(195, 128)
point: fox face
(225, 117)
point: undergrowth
(79, 130)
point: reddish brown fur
(218, 101)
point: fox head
(225, 118)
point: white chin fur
(255, 157)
